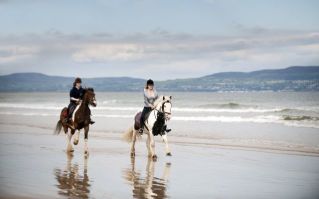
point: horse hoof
(75, 142)
(154, 157)
(169, 154)
(70, 150)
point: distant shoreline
(288, 79)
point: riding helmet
(150, 82)
(77, 80)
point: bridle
(162, 109)
(88, 100)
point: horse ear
(163, 97)
(170, 97)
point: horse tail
(128, 135)
(58, 128)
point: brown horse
(80, 119)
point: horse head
(164, 105)
(89, 96)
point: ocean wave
(257, 119)
(220, 110)
(304, 121)
(230, 105)
(126, 108)
(31, 106)
(299, 110)
(300, 118)
(109, 101)
(280, 110)
(29, 114)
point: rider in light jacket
(150, 96)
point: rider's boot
(66, 120)
(91, 121)
(166, 129)
(140, 131)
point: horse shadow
(71, 181)
(148, 186)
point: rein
(84, 109)
(162, 109)
(160, 120)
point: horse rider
(150, 96)
(76, 95)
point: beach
(210, 159)
(34, 164)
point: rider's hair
(149, 83)
(77, 80)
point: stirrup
(140, 131)
(92, 122)
(71, 126)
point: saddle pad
(65, 112)
(137, 119)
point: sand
(34, 164)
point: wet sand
(34, 165)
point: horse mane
(159, 100)
(87, 89)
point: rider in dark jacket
(76, 94)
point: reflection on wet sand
(70, 182)
(148, 186)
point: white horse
(149, 185)
(153, 126)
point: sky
(158, 39)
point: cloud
(16, 53)
(108, 52)
(158, 53)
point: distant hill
(295, 78)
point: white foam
(223, 119)
(131, 108)
(221, 110)
(28, 114)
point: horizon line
(132, 77)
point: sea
(256, 118)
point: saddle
(137, 119)
(65, 112)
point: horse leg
(166, 171)
(149, 179)
(65, 128)
(86, 137)
(148, 144)
(76, 138)
(152, 145)
(133, 143)
(167, 149)
(69, 144)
